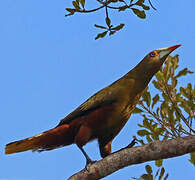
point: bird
(102, 116)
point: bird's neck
(141, 74)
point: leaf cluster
(137, 7)
(112, 30)
(150, 175)
(170, 113)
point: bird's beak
(166, 51)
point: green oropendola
(100, 117)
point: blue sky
(50, 64)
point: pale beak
(166, 51)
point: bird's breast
(121, 113)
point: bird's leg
(81, 139)
(88, 159)
(105, 147)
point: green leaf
(148, 169)
(101, 35)
(155, 136)
(164, 109)
(137, 111)
(184, 92)
(142, 132)
(72, 11)
(171, 118)
(123, 8)
(155, 99)
(166, 97)
(174, 61)
(119, 27)
(108, 21)
(76, 5)
(147, 177)
(167, 70)
(159, 75)
(145, 7)
(166, 177)
(159, 131)
(161, 173)
(147, 97)
(147, 123)
(111, 33)
(139, 2)
(189, 86)
(139, 13)
(99, 26)
(140, 125)
(141, 141)
(192, 158)
(183, 72)
(148, 138)
(156, 173)
(157, 84)
(82, 3)
(158, 163)
(174, 82)
(186, 107)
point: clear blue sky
(50, 64)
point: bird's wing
(104, 97)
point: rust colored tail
(48, 140)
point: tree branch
(153, 151)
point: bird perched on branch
(100, 117)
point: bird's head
(159, 56)
(153, 61)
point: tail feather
(48, 140)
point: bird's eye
(152, 54)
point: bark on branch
(136, 155)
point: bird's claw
(89, 162)
(133, 142)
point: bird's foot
(89, 162)
(133, 142)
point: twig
(93, 10)
(88, 11)
(151, 5)
(112, 7)
(106, 6)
